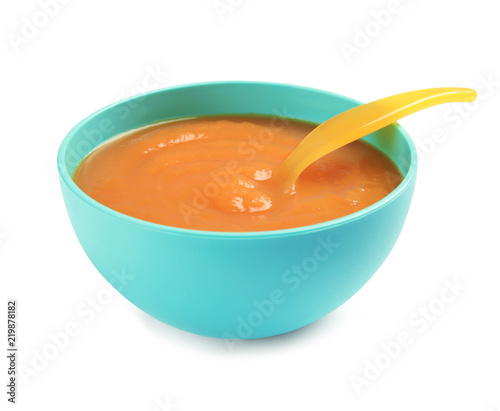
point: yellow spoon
(358, 122)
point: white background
(90, 53)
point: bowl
(234, 285)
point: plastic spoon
(358, 122)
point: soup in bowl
(232, 264)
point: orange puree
(213, 173)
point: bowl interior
(219, 98)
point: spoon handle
(360, 121)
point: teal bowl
(234, 285)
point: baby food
(215, 174)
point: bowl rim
(68, 181)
